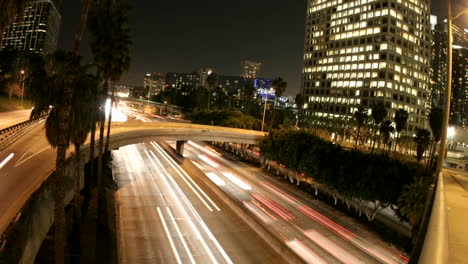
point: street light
(448, 88)
(264, 111)
(22, 86)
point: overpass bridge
(146, 106)
(24, 194)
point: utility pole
(22, 86)
(264, 111)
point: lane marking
(192, 260)
(20, 161)
(168, 235)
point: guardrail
(9, 134)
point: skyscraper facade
(37, 31)
(154, 82)
(250, 69)
(358, 52)
(459, 100)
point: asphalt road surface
(165, 217)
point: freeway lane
(11, 118)
(165, 217)
(312, 230)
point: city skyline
(215, 37)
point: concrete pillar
(180, 147)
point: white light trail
(332, 248)
(164, 176)
(169, 237)
(209, 161)
(214, 178)
(7, 159)
(237, 181)
(304, 252)
(192, 260)
(188, 180)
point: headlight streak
(237, 181)
(184, 175)
(184, 243)
(165, 177)
(214, 178)
(337, 251)
(169, 237)
(304, 252)
(7, 159)
(209, 161)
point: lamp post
(264, 111)
(22, 86)
(448, 88)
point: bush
(227, 118)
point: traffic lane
(32, 161)
(238, 256)
(11, 118)
(273, 213)
(239, 240)
(307, 219)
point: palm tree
(401, 117)
(379, 112)
(279, 85)
(212, 82)
(423, 140)
(10, 9)
(360, 116)
(110, 45)
(385, 129)
(436, 118)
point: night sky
(184, 35)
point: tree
(422, 139)
(212, 82)
(279, 85)
(248, 95)
(385, 129)
(436, 118)
(10, 9)
(379, 112)
(110, 45)
(360, 116)
(401, 117)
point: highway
(314, 231)
(165, 217)
(11, 118)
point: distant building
(459, 100)
(250, 69)
(203, 73)
(154, 82)
(360, 52)
(231, 84)
(179, 80)
(37, 31)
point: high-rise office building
(358, 52)
(154, 82)
(180, 80)
(37, 31)
(459, 100)
(250, 69)
(203, 73)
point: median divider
(271, 237)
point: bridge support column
(180, 146)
